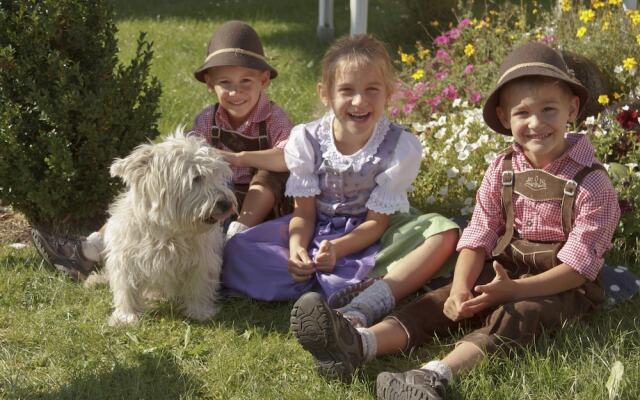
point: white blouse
(390, 193)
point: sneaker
(417, 384)
(323, 332)
(342, 297)
(64, 254)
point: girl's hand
(234, 159)
(325, 258)
(300, 265)
(500, 290)
(453, 306)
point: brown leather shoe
(323, 332)
(65, 254)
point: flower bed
(445, 81)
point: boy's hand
(500, 290)
(300, 265)
(325, 258)
(234, 159)
(453, 306)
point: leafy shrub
(67, 109)
(446, 80)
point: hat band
(236, 50)
(532, 64)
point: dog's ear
(134, 166)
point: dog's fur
(164, 235)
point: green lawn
(54, 341)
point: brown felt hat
(531, 59)
(235, 43)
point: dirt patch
(14, 228)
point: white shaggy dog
(164, 235)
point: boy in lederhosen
(250, 131)
(545, 215)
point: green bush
(446, 80)
(67, 109)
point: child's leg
(405, 278)
(257, 205)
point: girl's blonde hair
(356, 52)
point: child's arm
(271, 159)
(505, 290)
(301, 229)
(360, 238)
(468, 268)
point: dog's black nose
(224, 205)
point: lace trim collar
(356, 160)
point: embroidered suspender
(537, 185)
(236, 141)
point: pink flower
(443, 56)
(441, 40)
(548, 39)
(475, 97)
(450, 92)
(468, 69)
(419, 89)
(464, 22)
(408, 108)
(434, 101)
(394, 112)
(441, 74)
(454, 33)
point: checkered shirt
(278, 128)
(595, 214)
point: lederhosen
(530, 257)
(513, 324)
(237, 142)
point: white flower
(490, 156)
(460, 146)
(451, 172)
(443, 191)
(465, 104)
(419, 127)
(606, 166)
(442, 120)
(471, 185)
(440, 134)
(462, 180)
(435, 155)
(632, 166)
(456, 103)
(431, 200)
(484, 138)
(466, 169)
(590, 121)
(463, 132)
(468, 201)
(618, 69)
(464, 154)
(625, 107)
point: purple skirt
(255, 261)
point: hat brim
(489, 112)
(237, 60)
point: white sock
(441, 368)
(369, 343)
(374, 302)
(235, 227)
(93, 246)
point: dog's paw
(200, 313)
(119, 318)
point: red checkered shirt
(278, 128)
(596, 211)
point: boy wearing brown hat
(544, 216)
(250, 130)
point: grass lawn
(54, 341)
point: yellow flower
(566, 5)
(499, 30)
(629, 63)
(638, 39)
(581, 32)
(418, 75)
(587, 16)
(616, 95)
(407, 58)
(597, 4)
(635, 17)
(605, 26)
(603, 99)
(423, 53)
(615, 2)
(469, 50)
